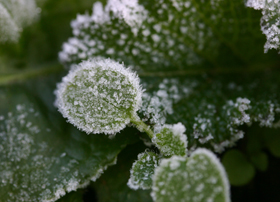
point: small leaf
(142, 171)
(199, 178)
(239, 170)
(171, 140)
(99, 96)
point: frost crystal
(270, 22)
(99, 96)
(171, 140)
(156, 106)
(142, 171)
(14, 15)
(132, 13)
(199, 178)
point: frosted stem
(141, 126)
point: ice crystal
(200, 178)
(99, 96)
(159, 104)
(270, 21)
(233, 114)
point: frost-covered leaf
(112, 185)
(177, 36)
(270, 21)
(42, 157)
(15, 15)
(142, 170)
(99, 96)
(213, 108)
(240, 171)
(199, 178)
(164, 34)
(171, 140)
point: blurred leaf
(260, 161)
(42, 156)
(239, 170)
(272, 141)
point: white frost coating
(142, 52)
(201, 177)
(223, 174)
(15, 15)
(132, 13)
(19, 143)
(142, 171)
(171, 140)
(9, 31)
(99, 96)
(270, 22)
(101, 171)
(242, 104)
(98, 13)
(74, 184)
(156, 106)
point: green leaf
(142, 170)
(213, 107)
(161, 43)
(157, 35)
(240, 171)
(99, 96)
(201, 177)
(42, 157)
(112, 185)
(171, 140)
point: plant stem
(141, 126)
(30, 73)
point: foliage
(204, 83)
